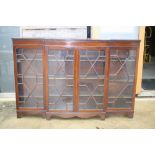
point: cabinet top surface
(77, 40)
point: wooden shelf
(52, 60)
(92, 77)
(85, 95)
(41, 97)
(51, 77)
(60, 78)
(29, 76)
(124, 81)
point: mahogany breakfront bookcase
(75, 78)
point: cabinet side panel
(15, 75)
(136, 78)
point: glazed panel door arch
(122, 78)
(60, 79)
(29, 77)
(76, 79)
(91, 79)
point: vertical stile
(106, 79)
(76, 80)
(45, 75)
(15, 76)
(135, 78)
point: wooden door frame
(76, 80)
(140, 59)
(15, 47)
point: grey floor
(144, 118)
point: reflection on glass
(122, 68)
(60, 75)
(30, 77)
(92, 65)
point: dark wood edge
(45, 67)
(63, 47)
(76, 81)
(48, 115)
(15, 76)
(129, 114)
(21, 113)
(64, 111)
(135, 79)
(93, 45)
(28, 46)
(119, 110)
(71, 40)
(75, 114)
(29, 109)
(31, 41)
(76, 43)
(106, 79)
(85, 110)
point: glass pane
(92, 65)
(30, 77)
(122, 72)
(60, 75)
